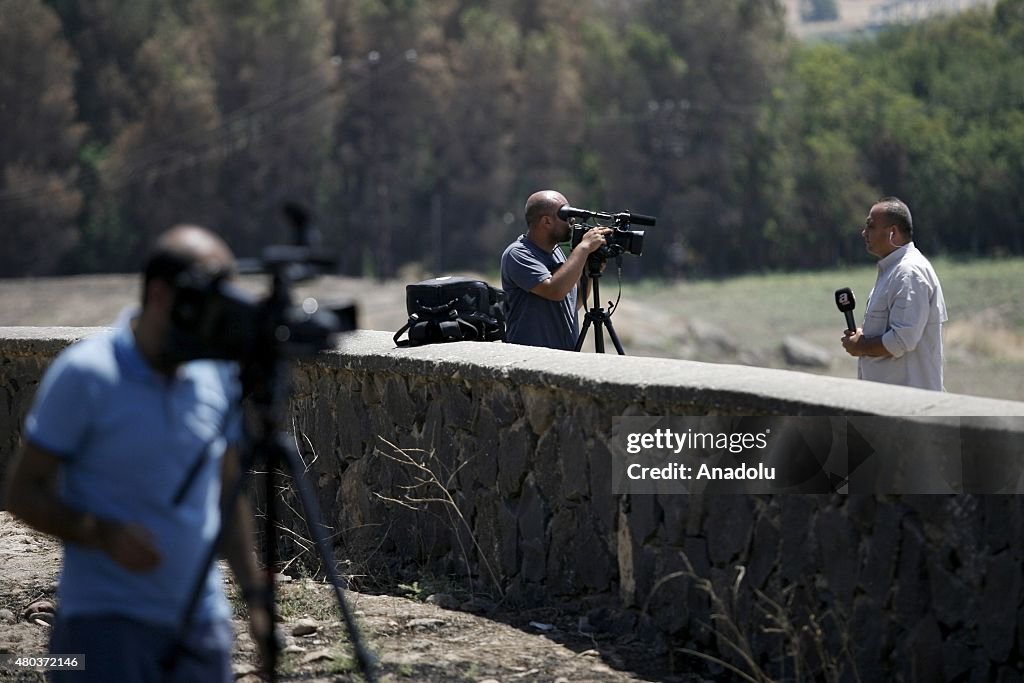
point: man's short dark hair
(899, 213)
(186, 248)
(539, 208)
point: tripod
(270, 446)
(597, 316)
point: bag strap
(413, 319)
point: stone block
(478, 455)
(516, 444)
(838, 553)
(953, 600)
(728, 526)
(505, 403)
(799, 552)
(911, 595)
(644, 517)
(926, 651)
(459, 403)
(562, 577)
(1002, 521)
(593, 557)
(867, 628)
(1000, 602)
(880, 549)
(764, 549)
(862, 510)
(958, 654)
(398, 401)
(532, 515)
(1008, 674)
(603, 503)
(667, 595)
(545, 465)
(540, 405)
(572, 459)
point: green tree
(394, 82)
(38, 198)
(160, 168)
(275, 80)
(679, 95)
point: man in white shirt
(901, 340)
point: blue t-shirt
(128, 437)
(531, 319)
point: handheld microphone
(846, 303)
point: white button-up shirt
(906, 309)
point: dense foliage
(416, 128)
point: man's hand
(850, 340)
(32, 497)
(594, 239)
(131, 545)
(856, 344)
(558, 286)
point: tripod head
(214, 318)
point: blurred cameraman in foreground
(115, 430)
(542, 286)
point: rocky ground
(415, 640)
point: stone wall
(492, 461)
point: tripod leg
(177, 648)
(583, 332)
(615, 337)
(312, 513)
(598, 335)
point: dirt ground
(412, 639)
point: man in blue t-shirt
(540, 283)
(116, 431)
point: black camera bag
(453, 308)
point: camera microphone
(628, 217)
(846, 303)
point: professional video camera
(215, 318)
(622, 240)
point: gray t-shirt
(534, 320)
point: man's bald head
(184, 248)
(543, 203)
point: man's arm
(562, 281)
(856, 344)
(32, 497)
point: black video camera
(622, 240)
(216, 319)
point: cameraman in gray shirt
(540, 283)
